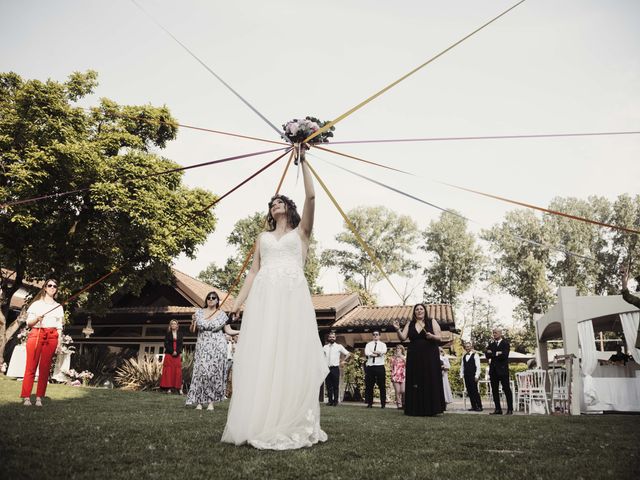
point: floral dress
(207, 381)
(397, 369)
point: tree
(456, 260)
(520, 268)
(118, 218)
(242, 237)
(590, 277)
(391, 238)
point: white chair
(538, 393)
(559, 390)
(524, 390)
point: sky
(545, 67)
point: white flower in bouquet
(23, 335)
(3, 368)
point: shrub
(139, 375)
(101, 361)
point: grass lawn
(96, 433)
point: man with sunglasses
(375, 372)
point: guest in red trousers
(45, 316)
(172, 363)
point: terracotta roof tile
(196, 290)
(384, 316)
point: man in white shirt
(374, 372)
(470, 374)
(333, 352)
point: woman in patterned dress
(207, 380)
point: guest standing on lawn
(424, 395)
(45, 317)
(209, 362)
(172, 363)
(446, 387)
(398, 364)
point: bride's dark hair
(293, 218)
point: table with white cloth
(615, 389)
(18, 364)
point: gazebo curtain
(589, 360)
(630, 323)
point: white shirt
(332, 353)
(53, 314)
(375, 346)
(466, 358)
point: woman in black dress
(424, 395)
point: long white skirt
(278, 367)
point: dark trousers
(375, 376)
(503, 379)
(472, 391)
(333, 384)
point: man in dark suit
(498, 354)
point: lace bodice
(284, 252)
(281, 260)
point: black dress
(424, 395)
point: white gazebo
(595, 387)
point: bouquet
(297, 130)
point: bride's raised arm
(308, 211)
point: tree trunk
(7, 333)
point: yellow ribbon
(388, 87)
(352, 227)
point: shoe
(38, 402)
(478, 409)
(369, 406)
(382, 406)
(27, 402)
(198, 407)
(210, 406)
(496, 412)
(471, 410)
(509, 412)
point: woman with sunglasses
(210, 357)
(45, 317)
(279, 363)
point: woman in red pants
(45, 317)
(172, 363)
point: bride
(279, 364)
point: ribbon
(164, 172)
(391, 85)
(242, 99)
(353, 229)
(189, 219)
(488, 137)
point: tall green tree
(48, 144)
(242, 237)
(390, 236)
(520, 268)
(455, 259)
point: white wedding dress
(279, 363)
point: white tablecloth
(619, 394)
(19, 362)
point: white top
(378, 347)
(53, 314)
(332, 353)
(477, 361)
